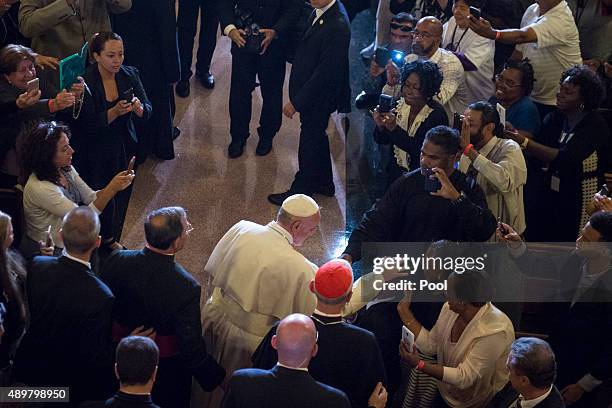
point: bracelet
(420, 365)
(410, 322)
(468, 148)
(497, 35)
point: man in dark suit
(356, 372)
(532, 367)
(579, 318)
(136, 361)
(187, 25)
(288, 384)
(149, 37)
(68, 342)
(151, 288)
(318, 86)
(275, 18)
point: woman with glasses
(17, 69)
(53, 187)
(573, 148)
(512, 89)
(405, 126)
(471, 339)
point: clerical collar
(320, 313)
(275, 226)
(72, 258)
(293, 368)
(326, 319)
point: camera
(398, 58)
(253, 35)
(475, 12)
(385, 103)
(381, 56)
(457, 122)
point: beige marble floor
(217, 191)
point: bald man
(288, 384)
(68, 342)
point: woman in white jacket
(471, 339)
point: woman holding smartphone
(104, 135)
(24, 100)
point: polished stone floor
(218, 192)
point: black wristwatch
(459, 200)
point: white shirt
(557, 48)
(44, 204)
(293, 368)
(502, 173)
(533, 402)
(480, 51)
(67, 255)
(320, 11)
(474, 367)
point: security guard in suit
(256, 28)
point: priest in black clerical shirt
(348, 357)
(411, 212)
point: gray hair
(534, 358)
(163, 226)
(80, 229)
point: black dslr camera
(254, 36)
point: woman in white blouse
(54, 187)
(471, 339)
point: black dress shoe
(235, 149)
(176, 132)
(328, 191)
(207, 80)
(278, 198)
(182, 88)
(264, 146)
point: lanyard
(451, 46)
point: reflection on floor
(218, 192)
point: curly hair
(38, 150)
(429, 74)
(527, 76)
(592, 91)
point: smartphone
(128, 95)
(457, 122)
(475, 12)
(33, 86)
(385, 103)
(398, 58)
(131, 164)
(381, 56)
(408, 337)
(431, 184)
(604, 191)
(504, 231)
(49, 241)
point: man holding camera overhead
(254, 27)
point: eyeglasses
(505, 82)
(404, 28)
(416, 33)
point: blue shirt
(523, 115)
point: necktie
(312, 17)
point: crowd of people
(498, 130)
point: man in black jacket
(68, 342)
(318, 86)
(258, 56)
(288, 384)
(532, 367)
(456, 211)
(151, 288)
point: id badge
(555, 183)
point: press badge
(555, 183)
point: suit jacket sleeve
(475, 221)
(290, 13)
(139, 91)
(225, 8)
(95, 342)
(188, 329)
(327, 73)
(34, 20)
(164, 16)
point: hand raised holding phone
(48, 247)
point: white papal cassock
(258, 279)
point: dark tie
(311, 19)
